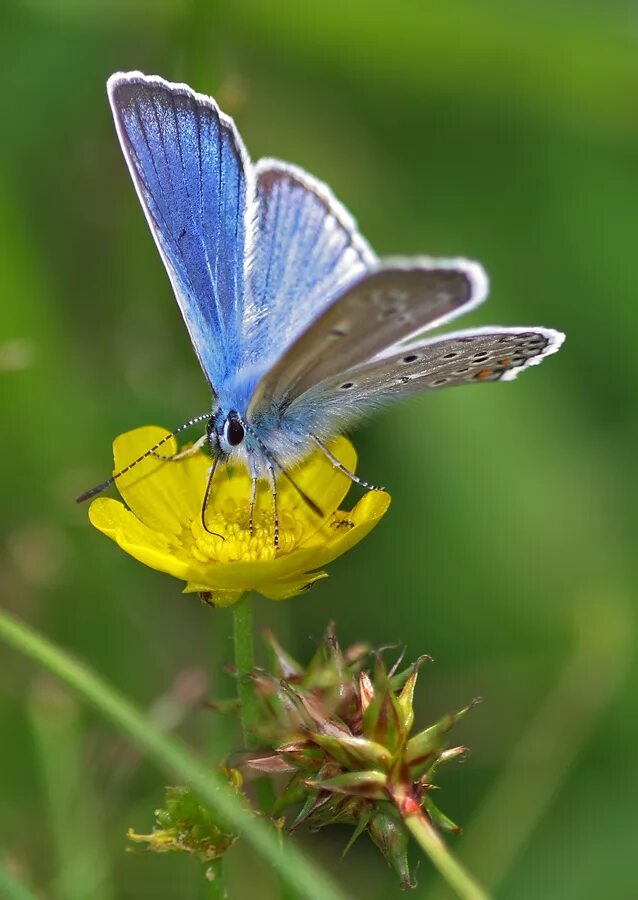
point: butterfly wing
(195, 183)
(465, 357)
(386, 305)
(307, 249)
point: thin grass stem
(174, 759)
(461, 882)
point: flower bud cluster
(340, 732)
(183, 823)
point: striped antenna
(101, 487)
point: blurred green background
(502, 131)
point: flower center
(237, 543)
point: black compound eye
(235, 433)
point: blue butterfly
(298, 327)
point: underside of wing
(389, 304)
(193, 177)
(474, 356)
(307, 250)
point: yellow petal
(150, 547)
(166, 496)
(349, 530)
(251, 574)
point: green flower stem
(174, 759)
(457, 878)
(245, 663)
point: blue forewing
(195, 182)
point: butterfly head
(226, 432)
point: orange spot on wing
(484, 373)
(505, 362)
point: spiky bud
(341, 731)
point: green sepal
(283, 664)
(327, 668)
(362, 824)
(314, 801)
(421, 750)
(371, 785)
(391, 837)
(312, 718)
(444, 756)
(302, 754)
(405, 699)
(271, 765)
(293, 793)
(340, 809)
(354, 752)
(382, 720)
(439, 818)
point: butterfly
(299, 328)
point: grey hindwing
(397, 299)
(474, 356)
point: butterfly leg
(339, 465)
(311, 503)
(273, 489)
(209, 485)
(253, 498)
(183, 454)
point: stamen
(239, 544)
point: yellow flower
(162, 525)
